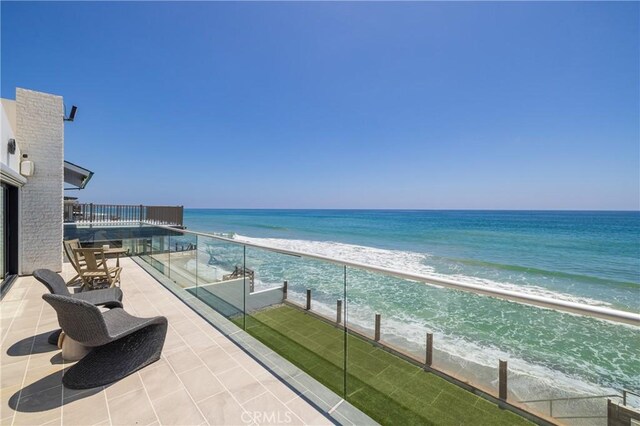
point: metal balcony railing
(121, 213)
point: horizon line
(414, 209)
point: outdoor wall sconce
(11, 146)
(27, 168)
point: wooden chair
(69, 247)
(92, 267)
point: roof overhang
(76, 176)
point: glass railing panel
(402, 309)
(159, 254)
(213, 264)
(135, 246)
(291, 307)
(182, 259)
(402, 338)
(399, 328)
(386, 349)
(566, 366)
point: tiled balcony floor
(202, 377)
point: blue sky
(341, 105)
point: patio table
(117, 251)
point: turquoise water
(590, 257)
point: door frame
(10, 217)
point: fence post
(308, 299)
(140, 213)
(284, 290)
(91, 212)
(502, 380)
(339, 312)
(613, 412)
(429, 354)
(377, 331)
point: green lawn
(389, 389)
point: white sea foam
(369, 255)
(408, 261)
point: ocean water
(589, 257)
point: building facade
(32, 174)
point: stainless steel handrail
(614, 315)
(626, 392)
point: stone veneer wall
(40, 134)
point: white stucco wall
(39, 132)
(7, 131)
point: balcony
(202, 378)
(307, 308)
(260, 335)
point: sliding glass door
(3, 233)
(8, 236)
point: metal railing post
(339, 312)
(308, 300)
(502, 380)
(429, 354)
(285, 290)
(377, 329)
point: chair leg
(116, 360)
(86, 283)
(115, 278)
(72, 281)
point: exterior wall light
(72, 114)
(27, 168)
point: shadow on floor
(57, 359)
(46, 394)
(37, 344)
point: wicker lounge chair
(122, 344)
(109, 298)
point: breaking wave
(412, 262)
